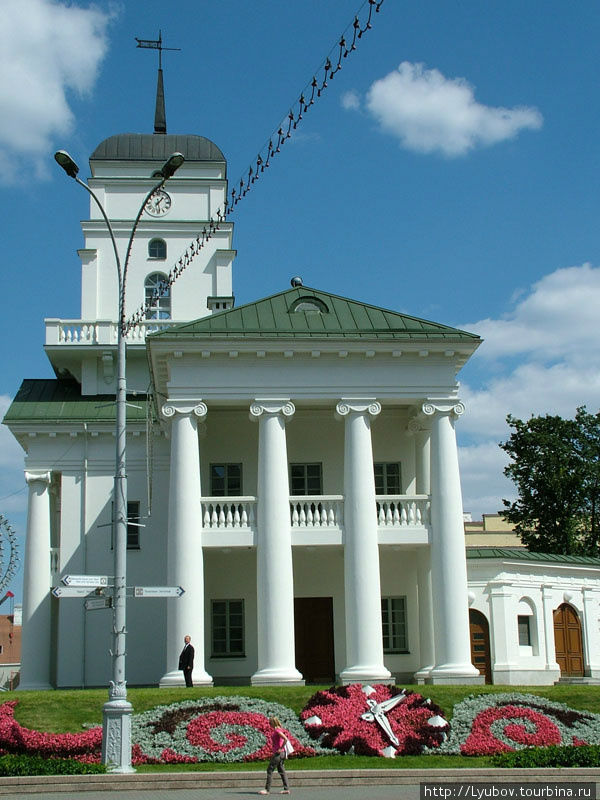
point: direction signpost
(72, 591)
(93, 581)
(158, 591)
(94, 603)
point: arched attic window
(157, 296)
(309, 305)
(157, 248)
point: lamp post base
(116, 736)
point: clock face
(158, 204)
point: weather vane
(155, 44)
(160, 116)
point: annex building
(292, 464)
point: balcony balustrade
(78, 332)
(316, 512)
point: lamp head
(171, 166)
(64, 160)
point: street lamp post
(116, 713)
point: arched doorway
(567, 641)
(480, 643)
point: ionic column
(37, 582)
(185, 562)
(362, 585)
(274, 569)
(422, 442)
(448, 559)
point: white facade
(254, 476)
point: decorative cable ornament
(345, 45)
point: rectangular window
(225, 480)
(227, 628)
(133, 525)
(524, 631)
(393, 618)
(306, 479)
(387, 477)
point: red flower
(484, 739)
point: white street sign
(157, 591)
(71, 591)
(85, 580)
(93, 603)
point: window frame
(226, 478)
(155, 241)
(522, 621)
(228, 653)
(305, 466)
(161, 306)
(386, 477)
(397, 641)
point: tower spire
(160, 116)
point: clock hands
(377, 713)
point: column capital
(184, 407)
(358, 406)
(34, 476)
(450, 406)
(262, 406)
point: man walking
(186, 660)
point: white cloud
(49, 49)
(430, 113)
(350, 101)
(545, 360)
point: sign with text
(94, 603)
(157, 591)
(85, 580)
(72, 591)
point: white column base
(455, 674)
(32, 686)
(423, 674)
(274, 677)
(175, 678)
(368, 673)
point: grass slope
(67, 710)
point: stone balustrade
(78, 332)
(319, 511)
(400, 511)
(228, 512)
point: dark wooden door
(313, 629)
(480, 644)
(567, 641)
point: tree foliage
(555, 465)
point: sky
(449, 171)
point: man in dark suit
(186, 661)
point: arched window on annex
(527, 627)
(309, 305)
(157, 248)
(157, 296)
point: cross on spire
(160, 117)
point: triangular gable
(275, 316)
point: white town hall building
(292, 464)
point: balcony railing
(78, 332)
(315, 512)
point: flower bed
(498, 723)
(344, 718)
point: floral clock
(374, 720)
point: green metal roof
(55, 400)
(156, 147)
(522, 554)
(274, 316)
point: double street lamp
(116, 713)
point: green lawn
(68, 710)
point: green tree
(555, 465)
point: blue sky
(449, 171)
